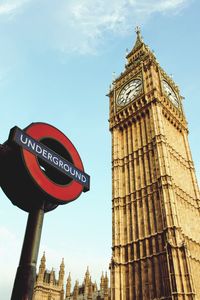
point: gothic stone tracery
(155, 205)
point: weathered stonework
(47, 287)
(155, 205)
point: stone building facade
(155, 205)
(47, 287)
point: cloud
(90, 22)
(10, 7)
(148, 7)
(83, 26)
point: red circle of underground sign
(63, 193)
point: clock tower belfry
(155, 196)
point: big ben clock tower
(155, 204)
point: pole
(26, 271)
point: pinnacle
(87, 271)
(138, 43)
(76, 283)
(43, 261)
(62, 263)
(43, 257)
(139, 40)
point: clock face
(129, 92)
(170, 93)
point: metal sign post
(26, 271)
(41, 170)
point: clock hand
(127, 94)
(138, 85)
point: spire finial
(113, 76)
(62, 263)
(138, 32)
(43, 256)
(43, 260)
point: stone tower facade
(47, 287)
(88, 290)
(155, 205)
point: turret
(42, 268)
(68, 286)
(87, 277)
(75, 293)
(106, 287)
(102, 282)
(61, 273)
(52, 277)
(87, 280)
(90, 290)
(95, 287)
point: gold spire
(52, 276)
(75, 292)
(76, 284)
(138, 43)
(106, 282)
(139, 40)
(138, 31)
(68, 286)
(69, 277)
(87, 276)
(62, 265)
(61, 272)
(102, 282)
(43, 259)
(42, 268)
(102, 276)
(90, 290)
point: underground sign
(42, 167)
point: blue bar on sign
(51, 157)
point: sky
(56, 64)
